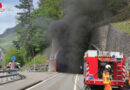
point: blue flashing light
(113, 56)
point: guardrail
(7, 76)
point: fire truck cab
(94, 65)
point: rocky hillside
(2, 54)
(7, 32)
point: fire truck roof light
(113, 56)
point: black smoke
(72, 33)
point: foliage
(39, 39)
(125, 26)
(26, 6)
(33, 37)
(39, 59)
(14, 52)
(49, 8)
(25, 32)
(116, 5)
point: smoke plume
(71, 34)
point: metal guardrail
(7, 76)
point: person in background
(13, 65)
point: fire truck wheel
(124, 88)
(90, 87)
(127, 84)
(87, 87)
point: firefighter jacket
(106, 78)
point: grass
(124, 26)
(39, 59)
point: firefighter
(129, 78)
(106, 78)
(128, 81)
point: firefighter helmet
(108, 66)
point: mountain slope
(7, 37)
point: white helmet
(108, 66)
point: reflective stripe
(87, 73)
(87, 68)
(106, 78)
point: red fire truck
(94, 66)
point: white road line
(75, 82)
(42, 82)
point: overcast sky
(8, 17)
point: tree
(14, 52)
(33, 38)
(27, 7)
(25, 20)
(52, 8)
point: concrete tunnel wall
(109, 38)
(119, 41)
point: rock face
(109, 38)
(119, 41)
(2, 54)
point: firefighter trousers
(108, 87)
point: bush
(39, 59)
(14, 52)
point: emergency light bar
(103, 54)
(104, 57)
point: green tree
(26, 6)
(33, 39)
(25, 20)
(14, 52)
(51, 8)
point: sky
(8, 17)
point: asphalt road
(60, 81)
(49, 81)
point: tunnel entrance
(61, 62)
(72, 61)
(65, 65)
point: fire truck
(94, 66)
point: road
(60, 82)
(49, 81)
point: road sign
(13, 58)
(51, 57)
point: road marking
(75, 82)
(42, 82)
